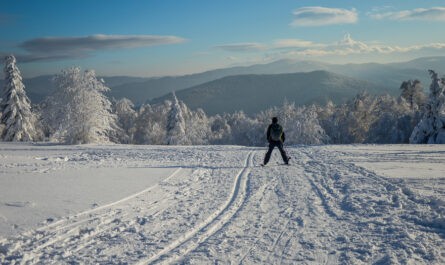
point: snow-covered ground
(351, 204)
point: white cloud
(320, 16)
(349, 47)
(232, 58)
(427, 14)
(241, 47)
(55, 48)
(294, 43)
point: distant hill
(253, 93)
(139, 92)
(385, 75)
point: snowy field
(351, 204)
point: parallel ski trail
(200, 233)
(68, 229)
(105, 206)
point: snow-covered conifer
(176, 127)
(18, 119)
(79, 112)
(431, 129)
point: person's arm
(268, 133)
(283, 137)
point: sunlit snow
(349, 204)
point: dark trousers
(272, 145)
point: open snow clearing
(216, 205)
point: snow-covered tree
(412, 92)
(197, 126)
(126, 114)
(151, 123)
(431, 129)
(220, 130)
(325, 119)
(79, 112)
(395, 120)
(301, 124)
(19, 122)
(176, 127)
(350, 122)
(311, 131)
(245, 130)
(361, 116)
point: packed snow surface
(101, 204)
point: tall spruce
(17, 116)
(176, 128)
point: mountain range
(253, 93)
(376, 78)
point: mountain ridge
(253, 93)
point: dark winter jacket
(283, 137)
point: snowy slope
(352, 204)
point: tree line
(78, 112)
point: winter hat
(274, 120)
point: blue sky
(166, 37)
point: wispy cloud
(294, 43)
(426, 14)
(320, 16)
(241, 47)
(56, 48)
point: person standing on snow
(276, 138)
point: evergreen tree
(176, 127)
(18, 119)
(431, 129)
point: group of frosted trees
(78, 112)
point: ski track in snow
(75, 230)
(219, 207)
(188, 242)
